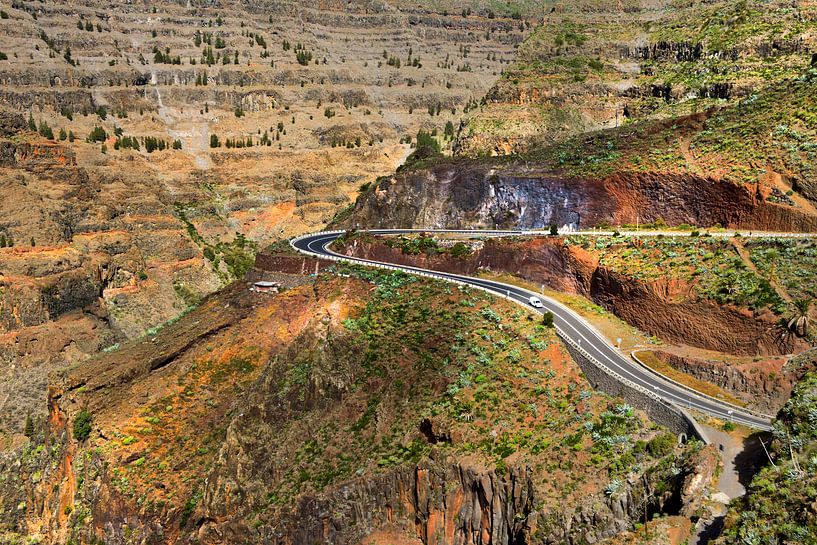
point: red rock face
(765, 385)
(692, 321)
(665, 308)
(45, 154)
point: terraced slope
(324, 93)
(117, 214)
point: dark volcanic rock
(477, 196)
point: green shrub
(97, 134)
(661, 445)
(547, 319)
(28, 431)
(426, 148)
(460, 249)
(82, 425)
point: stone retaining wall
(657, 410)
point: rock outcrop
(496, 195)
(764, 385)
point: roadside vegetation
(429, 245)
(779, 504)
(469, 364)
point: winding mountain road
(571, 327)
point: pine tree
(45, 131)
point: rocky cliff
(764, 385)
(493, 194)
(85, 262)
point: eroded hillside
(649, 103)
(147, 151)
(377, 406)
(594, 65)
(325, 95)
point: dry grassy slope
(361, 405)
(594, 65)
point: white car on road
(535, 302)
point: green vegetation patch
(230, 260)
(713, 265)
(779, 505)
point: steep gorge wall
(455, 502)
(693, 321)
